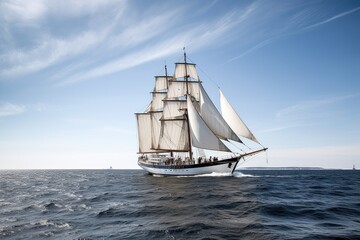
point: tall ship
(181, 132)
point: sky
(73, 73)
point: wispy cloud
(281, 128)
(145, 29)
(289, 19)
(197, 37)
(106, 44)
(8, 109)
(37, 10)
(251, 49)
(23, 11)
(48, 49)
(312, 104)
(308, 113)
(114, 35)
(120, 64)
(332, 18)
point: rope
(211, 80)
(237, 146)
(247, 146)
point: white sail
(177, 89)
(201, 135)
(155, 128)
(160, 83)
(174, 109)
(214, 119)
(173, 135)
(144, 132)
(233, 119)
(157, 101)
(180, 71)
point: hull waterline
(226, 166)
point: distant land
(283, 168)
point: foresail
(214, 119)
(233, 119)
(155, 128)
(201, 135)
(144, 132)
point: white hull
(186, 170)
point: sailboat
(182, 133)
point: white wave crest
(214, 174)
(48, 223)
(240, 175)
(158, 175)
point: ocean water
(130, 204)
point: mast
(186, 75)
(167, 87)
(166, 77)
(186, 113)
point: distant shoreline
(291, 168)
(238, 169)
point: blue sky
(74, 72)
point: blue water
(129, 204)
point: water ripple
(129, 204)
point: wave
(52, 205)
(48, 223)
(158, 175)
(4, 203)
(214, 174)
(240, 175)
(130, 205)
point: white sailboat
(181, 124)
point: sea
(130, 204)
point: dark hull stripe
(231, 160)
